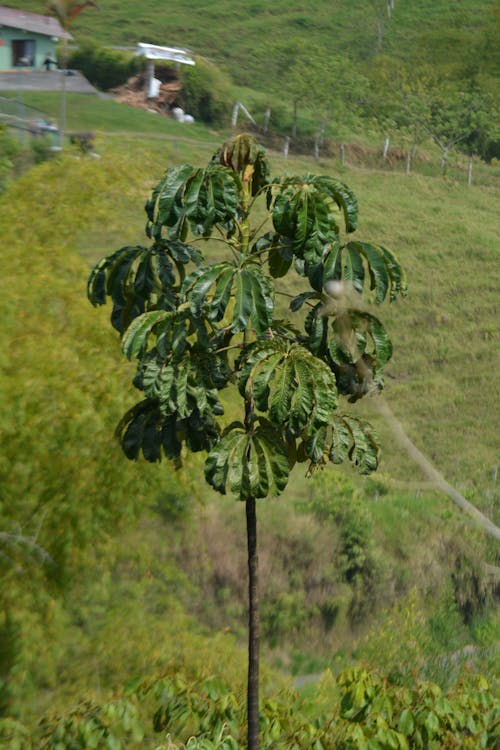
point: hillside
(239, 36)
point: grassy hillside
(237, 35)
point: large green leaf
(135, 338)
(343, 196)
(355, 440)
(284, 379)
(249, 464)
(386, 274)
(145, 429)
(136, 279)
(184, 384)
(345, 438)
(209, 290)
(198, 198)
(302, 213)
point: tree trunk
(380, 35)
(316, 146)
(408, 161)
(444, 161)
(267, 117)
(253, 628)
(469, 173)
(294, 126)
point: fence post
(386, 148)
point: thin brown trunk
(294, 125)
(253, 628)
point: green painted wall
(37, 47)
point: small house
(27, 39)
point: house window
(23, 53)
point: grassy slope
(236, 33)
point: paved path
(42, 80)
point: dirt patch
(134, 92)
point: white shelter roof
(155, 52)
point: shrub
(105, 68)
(206, 92)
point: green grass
(89, 112)
(237, 34)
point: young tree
(66, 11)
(453, 118)
(197, 327)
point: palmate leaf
(343, 196)
(249, 464)
(350, 335)
(386, 274)
(198, 199)
(137, 279)
(356, 262)
(144, 429)
(303, 214)
(135, 339)
(344, 439)
(210, 289)
(285, 380)
(355, 440)
(183, 385)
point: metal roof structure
(155, 52)
(32, 22)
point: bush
(206, 92)
(105, 68)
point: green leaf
(386, 274)
(262, 290)
(144, 428)
(243, 301)
(355, 440)
(286, 380)
(136, 280)
(135, 338)
(343, 197)
(253, 464)
(299, 300)
(280, 256)
(406, 722)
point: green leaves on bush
(105, 68)
(358, 710)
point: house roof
(33, 22)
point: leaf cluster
(196, 327)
